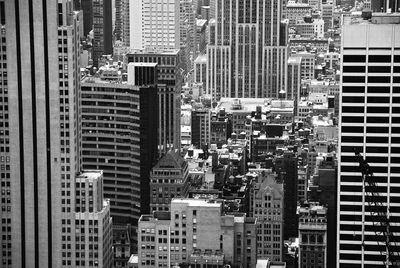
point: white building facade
(154, 24)
(370, 123)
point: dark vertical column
(87, 7)
(148, 141)
(21, 133)
(107, 27)
(34, 133)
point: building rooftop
(90, 175)
(200, 22)
(313, 209)
(154, 52)
(297, 5)
(326, 82)
(282, 105)
(262, 263)
(143, 64)
(243, 105)
(172, 160)
(375, 18)
(294, 60)
(320, 121)
(107, 74)
(157, 215)
(195, 202)
(201, 59)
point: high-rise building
(154, 24)
(168, 179)
(200, 70)
(30, 135)
(169, 84)
(327, 15)
(247, 50)
(313, 236)
(118, 19)
(93, 224)
(102, 29)
(5, 214)
(69, 122)
(325, 192)
(307, 65)
(200, 127)
(87, 8)
(294, 81)
(187, 37)
(119, 136)
(267, 208)
(196, 232)
(220, 127)
(286, 167)
(369, 122)
(125, 23)
(297, 11)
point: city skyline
(200, 133)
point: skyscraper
(268, 193)
(30, 135)
(312, 235)
(369, 123)
(198, 233)
(169, 84)
(125, 23)
(69, 122)
(154, 24)
(118, 19)
(168, 179)
(102, 29)
(93, 224)
(247, 50)
(87, 8)
(119, 136)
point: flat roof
(246, 105)
(195, 202)
(294, 60)
(154, 52)
(296, 5)
(201, 59)
(200, 22)
(90, 175)
(143, 64)
(376, 18)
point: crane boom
(380, 213)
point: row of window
(370, 79)
(370, 149)
(375, 169)
(370, 89)
(371, 69)
(371, 58)
(384, 120)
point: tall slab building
(30, 135)
(169, 84)
(102, 29)
(370, 124)
(247, 50)
(154, 24)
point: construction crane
(380, 214)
